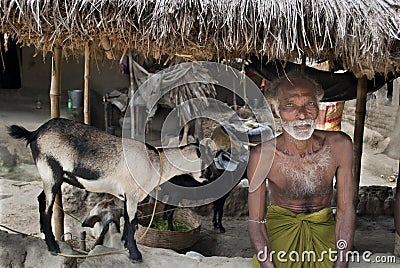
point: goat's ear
(91, 221)
(118, 212)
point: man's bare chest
(306, 177)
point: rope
(72, 216)
(14, 231)
(155, 203)
(139, 205)
(156, 213)
(70, 255)
(92, 255)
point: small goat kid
(104, 219)
(81, 155)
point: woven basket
(176, 240)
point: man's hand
(267, 264)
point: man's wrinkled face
(298, 109)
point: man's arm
(345, 213)
(257, 171)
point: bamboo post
(55, 87)
(397, 206)
(234, 96)
(82, 242)
(86, 91)
(55, 90)
(243, 80)
(303, 63)
(133, 121)
(397, 201)
(359, 132)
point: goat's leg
(220, 213)
(51, 173)
(215, 211)
(184, 140)
(134, 253)
(45, 224)
(169, 215)
(128, 236)
(221, 204)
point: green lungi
(306, 239)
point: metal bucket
(76, 97)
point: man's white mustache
(299, 123)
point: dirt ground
(19, 187)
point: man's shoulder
(264, 146)
(334, 137)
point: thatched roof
(357, 33)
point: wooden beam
(55, 95)
(359, 132)
(86, 89)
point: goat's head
(101, 216)
(208, 149)
(184, 159)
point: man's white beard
(299, 134)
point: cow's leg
(130, 226)
(51, 174)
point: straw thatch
(360, 34)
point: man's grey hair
(275, 85)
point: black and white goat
(211, 173)
(184, 180)
(104, 219)
(68, 151)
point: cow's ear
(91, 221)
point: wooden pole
(82, 242)
(397, 199)
(397, 206)
(359, 132)
(134, 121)
(86, 91)
(55, 95)
(303, 63)
(55, 87)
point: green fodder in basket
(162, 225)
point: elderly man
(299, 165)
